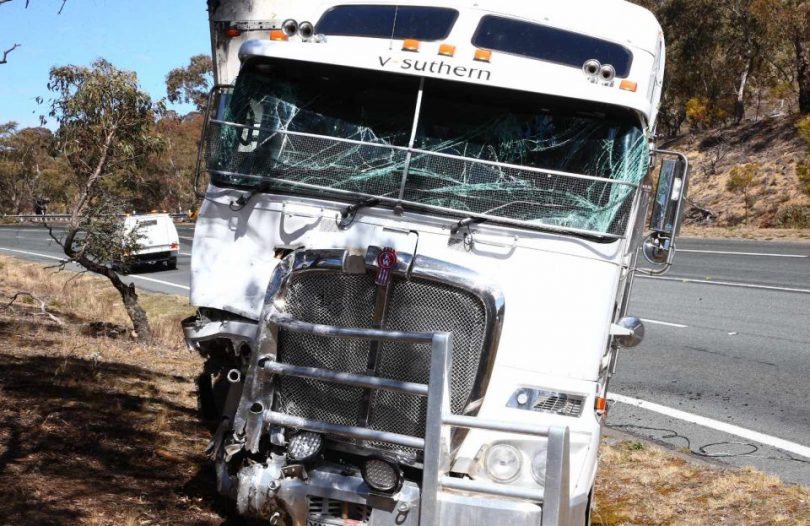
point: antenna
(393, 28)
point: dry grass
(103, 432)
(772, 144)
(746, 232)
(643, 485)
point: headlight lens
(503, 463)
(539, 467)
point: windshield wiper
(243, 200)
(348, 214)
(467, 221)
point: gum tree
(106, 128)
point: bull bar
(553, 497)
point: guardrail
(178, 217)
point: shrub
(741, 180)
(794, 216)
(803, 129)
(803, 174)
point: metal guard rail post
(554, 497)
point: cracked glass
(475, 150)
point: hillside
(776, 199)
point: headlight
(503, 463)
(539, 467)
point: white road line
(133, 276)
(185, 253)
(731, 429)
(46, 256)
(725, 283)
(153, 280)
(668, 324)
(742, 253)
(186, 238)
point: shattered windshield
(346, 134)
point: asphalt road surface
(723, 369)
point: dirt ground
(101, 431)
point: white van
(158, 242)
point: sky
(150, 37)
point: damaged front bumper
(329, 494)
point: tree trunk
(802, 49)
(739, 104)
(140, 321)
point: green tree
(741, 179)
(192, 83)
(28, 168)
(106, 127)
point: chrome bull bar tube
(554, 497)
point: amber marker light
(447, 50)
(601, 404)
(483, 55)
(232, 32)
(279, 35)
(410, 45)
(628, 85)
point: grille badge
(386, 261)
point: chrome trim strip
(472, 422)
(290, 324)
(542, 171)
(500, 490)
(361, 433)
(356, 380)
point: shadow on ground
(85, 442)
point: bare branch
(42, 306)
(4, 60)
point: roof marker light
(410, 45)
(600, 403)
(290, 27)
(278, 34)
(628, 85)
(232, 32)
(447, 50)
(483, 55)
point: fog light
(305, 447)
(503, 463)
(382, 476)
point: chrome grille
(334, 298)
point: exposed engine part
(257, 487)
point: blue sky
(149, 37)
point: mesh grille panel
(335, 298)
(368, 168)
(329, 299)
(559, 200)
(315, 165)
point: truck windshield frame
(460, 149)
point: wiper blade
(348, 214)
(466, 222)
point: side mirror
(218, 99)
(667, 209)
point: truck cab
(415, 252)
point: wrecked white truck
(415, 251)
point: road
(725, 359)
